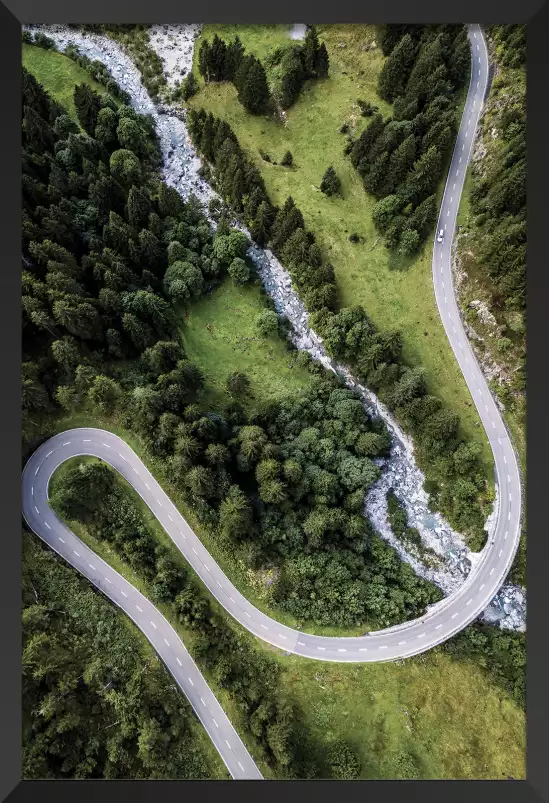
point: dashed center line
(454, 615)
(215, 723)
(500, 551)
(342, 650)
(228, 745)
(106, 445)
(153, 624)
(108, 581)
(421, 635)
(264, 627)
(468, 603)
(68, 443)
(401, 642)
(190, 681)
(321, 648)
(203, 702)
(123, 593)
(438, 627)
(281, 636)
(178, 661)
(301, 643)
(167, 642)
(241, 767)
(139, 609)
(482, 586)
(76, 553)
(491, 572)
(47, 525)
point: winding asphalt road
(441, 620)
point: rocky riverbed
(175, 45)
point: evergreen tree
(253, 91)
(204, 60)
(331, 183)
(310, 51)
(322, 62)
(395, 71)
(88, 104)
(233, 58)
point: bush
(237, 383)
(267, 322)
(287, 159)
(344, 763)
(239, 271)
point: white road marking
(505, 536)
(160, 503)
(454, 615)
(50, 452)
(421, 635)
(219, 584)
(264, 627)
(37, 510)
(383, 647)
(448, 213)
(241, 767)
(92, 567)
(123, 593)
(68, 443)
(460, 158)
(153, 624)
(321, 648)
(32, 491)
(178, 661)
(508, 478)
(232, 600)
(500, 551)
(228, 745)
(106, 445)
(478, 82)
(108, 581)
(61, 539)
(451, 199)
(76, 553)
(468, 603)
(281, 636)
(147, 486)
(301, 643)
(139, 609)
(190, 681)
(491, 572)
(342, 650)
(248, 614)
(509, 516)
(454, 186)
(37, 470)
(215, 723)
(202, 701)
(207, 568)
(194, 550)
(47, 525)
(438, 627)
(504, 459)
(122, 456)
(363, 649)
(401, 642)
(170, 518)
(474, 34)
(482, 586)
(136, 471)
(86, 440)
(167, 642)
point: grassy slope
(396, 294)
(483, 729)
(385, 709)
(58, 75)
(220, 335)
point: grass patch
(220, 335)
(58, 75)
(396, 293)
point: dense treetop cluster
(289, 66)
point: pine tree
(253, 91)
(322, 62)
(88, 104)
(204, 60)
(400, 162)
(310, 52)
(394, 73)
(331, 183)
(233, 58)
(216, 59)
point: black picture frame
(17, 12)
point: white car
(440, 236)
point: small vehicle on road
(440, 236)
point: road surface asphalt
(440, 622)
